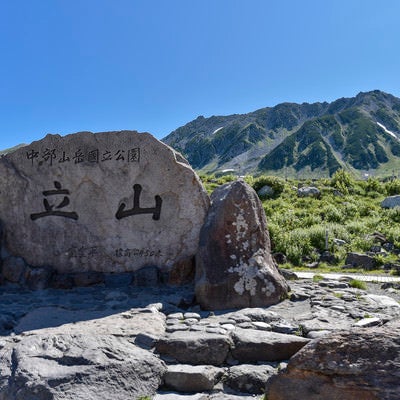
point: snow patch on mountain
(217, 130)
(387, 130)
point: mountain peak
(312, 139)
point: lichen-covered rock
(234, 266)
(105, 202)
(362, 364)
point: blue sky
(154, 65)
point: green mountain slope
(360, 133)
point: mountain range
(360, 134)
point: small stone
(317, 334)
(338, 308)
(219, 331)
(198, 328)
(284, 327)
(176, 315)
(263, 326)
(299, 296)
(228, 327)
(190, 321)
(188, 378)
(176, 328)
(368, 322)
(245, 325)
(188, 315)
(173, 321)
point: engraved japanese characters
(110, 202)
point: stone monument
(107, 202)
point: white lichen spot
(269, 288)
(241, 227)
(233, 257)
(247, 278)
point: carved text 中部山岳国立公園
(52, 157)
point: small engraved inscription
(50, 157)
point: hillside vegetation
(360, 134)
(348, 212)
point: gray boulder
(391, 202)
(77, 367)
(362, 364)
(361, 260)
(234, 266)
(252, 345)
(309, 191)
(266, 191)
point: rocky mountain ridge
(360, 134)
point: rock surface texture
(79, 366)
(109, 202)
(363, 364)
(105, 342)
(234, 266)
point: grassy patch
(357, 284)
(317, 278)
(343, 219)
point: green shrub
(373, 185)
(317, 278)
(393, 187)
(342, 181)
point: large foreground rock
(235, 268)
(364, 364)
(109, 202)
(76, 367)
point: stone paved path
(361, 277)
